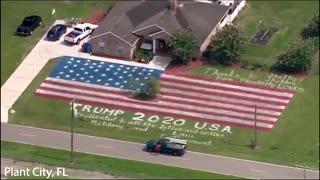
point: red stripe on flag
(149, 111)
(136, 102)
(217, 100)
(160, 93)
(224, 95)
(209, 86)
(235, 83)
(217, 107)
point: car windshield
(53, 30)
(26, 22)
(77, 29)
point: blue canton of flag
(103, 73)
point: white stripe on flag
(222, 91)
(221, 104)
(170, 104)
(213, 97)
(227, 85)
(177, 112)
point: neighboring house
(149, 24)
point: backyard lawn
(289, 16)
(109, 165)
(15, 48)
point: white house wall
(228, 19)
(232, 16)
(224, 22)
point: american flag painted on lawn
(181, 96)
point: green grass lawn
(113, 166)
(15, 48)
(289, 16)
(293, 140)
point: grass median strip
(113, 166)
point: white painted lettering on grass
(142, 123)
(273, 80)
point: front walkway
(159, 62)
(37, 59)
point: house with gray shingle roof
(132, 24)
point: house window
(120, 50)
(101, 45)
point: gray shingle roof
(118, 22)
(202, 17)
(128, 16)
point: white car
(79, 32)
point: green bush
(153, 88)
(227, 45)
(312, 29)
(313, 26)
(141, 95)
(142, 55)
(182, 44)
(315, 43)
(298, 58)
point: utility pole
(304, 171)
(71, 130)
(255, 127)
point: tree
(298, 58)
(153, 86)
(151, 91)
(183, 43)
(315, 42)
(313, 26)
(227, 45)
(312, 29)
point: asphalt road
(133, 151)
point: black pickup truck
(28, 25)
(168, 145)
